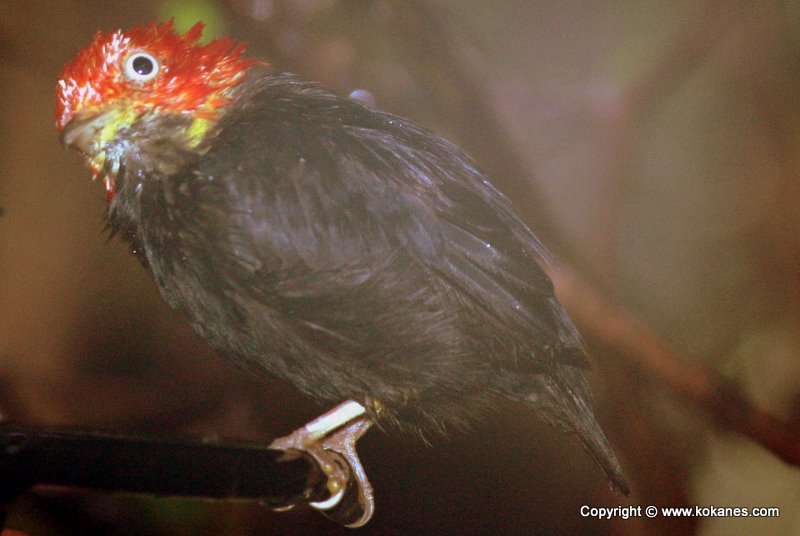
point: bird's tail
(563, 399)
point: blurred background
(654, 146)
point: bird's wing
(329, 192)
(482, 247)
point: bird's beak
(85, 129)
(90, 132)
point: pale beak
(83, 130)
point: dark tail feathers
(563, 399)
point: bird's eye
(141, 67)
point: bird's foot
(331, 440)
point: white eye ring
(141, 67)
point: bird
(342, 249)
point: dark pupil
(142, 65)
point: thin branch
(705, 389)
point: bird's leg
(329, 439)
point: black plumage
(355, 255)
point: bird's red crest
(192, 78)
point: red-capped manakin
(345, 250)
